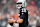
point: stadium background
(33, 7)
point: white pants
(14, 25)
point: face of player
(19, 5)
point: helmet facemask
(19, 5)
(22, 2)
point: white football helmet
(23, 3)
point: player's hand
(11, 21)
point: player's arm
(15, 21)
(20, 21)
